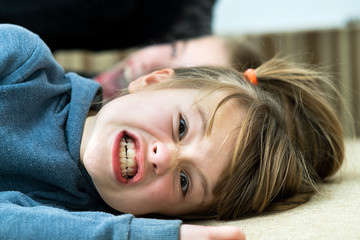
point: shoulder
(13, 31)
(19, 48)
(16, 40)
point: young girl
(205, 141)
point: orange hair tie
(251, 76)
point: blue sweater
(44, 191)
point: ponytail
(291, 141)
(311, 122)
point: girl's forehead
(218, 101)
(208, 99)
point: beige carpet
(334, 213)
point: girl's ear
(152, 78)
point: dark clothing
(109, 24)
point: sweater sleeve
(21, 217)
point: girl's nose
(160, 158)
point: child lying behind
(205, 141)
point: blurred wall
(259, 16)
(321, 32)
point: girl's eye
(182, 128)
(184, 182)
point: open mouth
(127, 157)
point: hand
(188, 231)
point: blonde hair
(289, 142)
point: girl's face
(148, 152)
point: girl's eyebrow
(203, 130)
(203, 182)
(203, 119)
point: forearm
(42, 222)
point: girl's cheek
(162, 190)
(163, 127)
(160, 126)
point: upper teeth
(127, 157)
